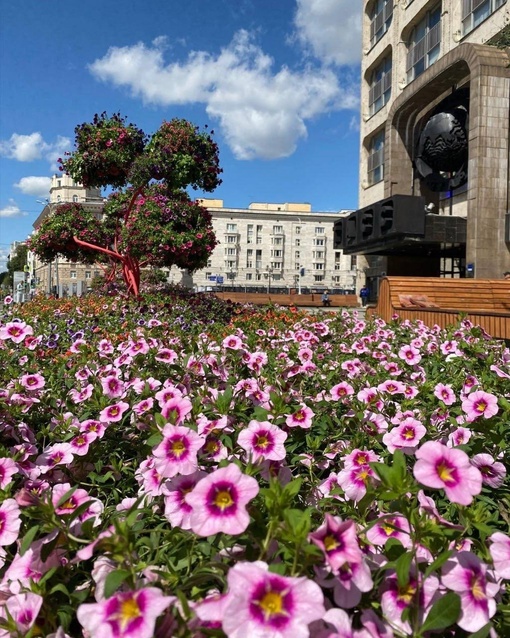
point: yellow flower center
(223, 499)
(445, 473)
(408, 433)
(271, 604)
(361, 459)
(388, 529)
(481, 406)
(477, 588)
(129, 610)
(330, 543)
(178, 447)
(407, 593)
(262, 441)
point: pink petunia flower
(219, 502)
(466, 575)
(341, 391)
(478, 404)
(10, 521)
(263, 440)
(339, 541)
(16, 331)
(176, 409)
(265, 604)
(23, 609)
(177, 452)
(445, 393)
(302, 418)
(406, 436)
(493, 472)
(130, 614)
(113, 413)
(57, 454)
(441, 467)
(387, 526)
(8, 469)
(177, 511)
(500, 553)
(32, 381)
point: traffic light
(302, 272)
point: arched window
(380, 86)
(380, 19)
(424, 44)
(75, 198)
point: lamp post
(268, 274)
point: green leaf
(439, 562)
(28, 538)
(402, 567)
(114, 580)
(483, 632)
(444, 612)
(292, 489)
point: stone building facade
(435, 94)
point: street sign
(219, 279)
(212, 278)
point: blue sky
(278, 82)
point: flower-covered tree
(149, 219)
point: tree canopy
(149, 219)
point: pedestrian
(506, 275)
(363, 293)
(326, 301)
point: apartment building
(434, 168)
(276, 246)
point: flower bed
(249, 474)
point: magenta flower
(410, 354)
(302, 418)
(232, 342)
(265, 604)
(177, 511)
(57, 454)
(465, 574)
(445, 393)
(441, 467)
(177, 452)
(176, 409)
(219, 502)
(23, 609)
(113, 413)
(130, 614)
(339, 541)
(341, 391)
(500, 553)
(390, 527)
(478, 404)
(263, 440)
(8, 469)
(406, 436)
(354, 481)
(32, 381)
(493, 472)
(16, 331)
(10, 521)
(395, 599)
(352, 580)
(113, 387)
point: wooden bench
(311, 300)
(486, 302)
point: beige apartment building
(434, 167)
(276, 246)
(264, 247)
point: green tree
(149, 219)
(16, 262)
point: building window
(298, 242)
(231, 239)
(250, 234)
(249, 276)
(319, 242)
(380, 86)
(424, 44)
(297, 256)
(276, 265)
(376, 158)
(249, 258)
(318, 278)
(317, 254)
(230, 264)
(277, 241)
(380, 19)
(276, 253)
(258, 259)
(88, 274)
(277, 230)
(474, 12)
(230, 251)
(354, 262)
(231, 228)
(75, 198)
(319, 230)
(297, 230)
(318, 266)
(73, 274)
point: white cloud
(12, 210)
(261, 112)
(330, 29)
(27, 148)
(35, 186)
